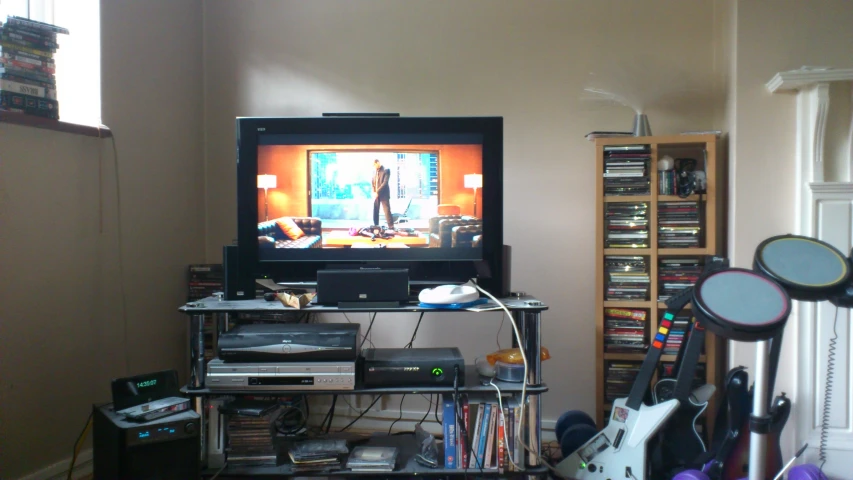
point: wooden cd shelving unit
(706, 150)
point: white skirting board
(59, 470)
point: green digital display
(147, 383)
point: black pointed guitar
(678, 443)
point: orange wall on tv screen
(289, 163)
(454, 162)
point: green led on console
(437, 372)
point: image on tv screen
(370, 196)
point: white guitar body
(619, 451)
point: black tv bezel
(488, 270)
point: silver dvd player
(286, 376)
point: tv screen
(424, 193)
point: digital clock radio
(149, 396)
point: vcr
(412, 367)
(290, 342)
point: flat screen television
(423, 193)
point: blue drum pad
(739, 304)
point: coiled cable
(827, 393)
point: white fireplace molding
(824, 210)
(812, 87)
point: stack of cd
(626, 169)
(372, 459)
(678, 224)
(627, 225)
(675, 275)
(627, 277)
(317, 455)
(250, 441)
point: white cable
(518, 435)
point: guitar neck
(673, 306)
(688, 362)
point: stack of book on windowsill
(27, 67)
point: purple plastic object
(807, 471)
(690, 475)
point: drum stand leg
(759, 422)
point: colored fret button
(660, 337)
(663, 330)
(657, 344)
(665, 323)
(668, 316)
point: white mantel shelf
(829, 188)
(794, 80)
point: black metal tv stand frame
(526, 312)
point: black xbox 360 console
(290, 342)
(412, 367)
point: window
(78, 58)
(342, 185)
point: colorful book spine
(449, 425)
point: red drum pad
(742, 305)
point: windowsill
(17, 118)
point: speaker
(379, 288)
(506, 274)
(163, 449)
(237, 286)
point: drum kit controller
(736, 304)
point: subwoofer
(163, 449)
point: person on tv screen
(382, 194)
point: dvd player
(290, 342)
(224, 376)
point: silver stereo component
(222, 376)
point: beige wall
(526, 61)
(62, 333)
(204, 64)
(775, 36)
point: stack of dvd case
(627, 225)
(678, 224)
(27, 67)
(626, 169)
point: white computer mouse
(449, 294)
